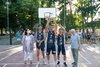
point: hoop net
(47, 15)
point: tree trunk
(1, 31)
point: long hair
(25, 32)
(39, 26)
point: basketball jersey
(51, 37)
(40, 36)
(60, 40)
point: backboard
(47, 12)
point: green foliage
(24, 13)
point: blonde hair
(72, 30)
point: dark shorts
(88, 37)
(42, 46)
(51, 47)
(61, 49)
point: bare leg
(64, 58)
(38, 53)
(58, 57)
(43, 54)
(54, 58)
(48, 58)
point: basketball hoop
(47, 12)
(47, 15)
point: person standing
(66, 36)
(83, 36)
(50, 32)
(18, 36)
(75, 46)
(92, 38)
(61, 46)
(88, 37)
(28, 42)
(40, 43)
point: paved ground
(12, 56)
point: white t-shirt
(28, 40)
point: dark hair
(25, 32)
(40, 25)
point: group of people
(91, 37)
(51, 40)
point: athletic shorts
(61, 49)
(51, 47)
(42, 46)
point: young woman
(61, 46)
(40, 43)
(50, 32)
(28, 42)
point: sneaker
(37, 64)
(74, 66)
(58, 62)
(73, 63)
(44, 62)
(48, 65)
(30, 61)
(57, 65)
(65, 65)
(25, 62)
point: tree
(87, 10)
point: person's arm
(55, 29)
(36, 37)
(47, 25)
(44, 37)
(79, 43)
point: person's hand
(40, 43)
(48, 20)
(79, 48)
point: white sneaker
(48, 65)
(44, 62)
(37, 64)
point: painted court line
(7, 56)
(15, 49)
(35, 63)
(5, 65)
(85, 58)
(8, 49)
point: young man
(61, 46)
(75, 46)
(40, 43)
(50, 32)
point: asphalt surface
(12, 56)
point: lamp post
(64, 13)
(7, 3)
(39, 7)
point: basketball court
(12, 56)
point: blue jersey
(51, 37)
(60, 40)
(40, 36)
